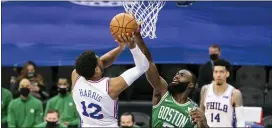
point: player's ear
(228, 74)
(191, 85)
(97, 69)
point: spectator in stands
(64, 103)
(6, 99)
(37, 87)
(206, 70)
(25, 111)
(127, 120)
(52, 120)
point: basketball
(123, 23)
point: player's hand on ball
(126, 39)
(198, 115)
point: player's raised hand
(125, 38)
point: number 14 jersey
(219, 110)
(93, 103)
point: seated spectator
(6, 99)
(25, 111)
(37, 87)
(63, 102)
(127, 120)
(52, 120)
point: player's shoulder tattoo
(237, 98)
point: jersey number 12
(216, 117)
(94, 114)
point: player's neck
(220, 89)
(95, 78)
(180, 98)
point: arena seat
(270, 78)
(7, 72)
(267, 121)
(65, 72)
(251, 76)
(46, 73)
(252, 96)
(142, 119)
(268, 99)
(142, 90)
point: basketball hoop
(146, 13)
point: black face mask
(177, 88)
(30, 74)
(25, 91)
(214, 56)
(50, 124)
(62, 91)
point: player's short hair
(194, 80)
(222, 62)
(215, 46)
(85, 64)
(129, 114)
(54, 111)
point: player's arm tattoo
(238, 98)
(202, 97)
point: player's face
(52, 117)
(180, 82)
(220, 75)
(126, 121)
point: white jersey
(219, 110)
(93, 103)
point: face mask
(62, 91)
(177, 88)
(25, 91)
(214, 56)
(30, 74)
(50, 124)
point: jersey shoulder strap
(162, 99)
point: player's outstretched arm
(108, 58)
(118, 84)
(157, 82)
(237, 101)
(202, 97)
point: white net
(145, 12)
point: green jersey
(6, 99)
(169, 113)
